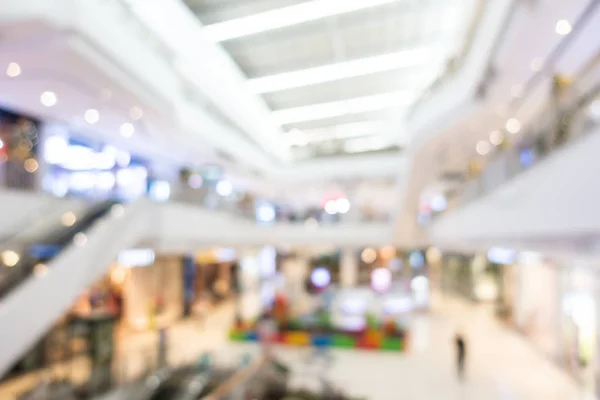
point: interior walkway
(501, 364)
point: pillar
(349, 268)
(296, 270)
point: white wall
(182, 226)
(555, 201)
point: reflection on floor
(501, 365)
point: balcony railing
(569, 114)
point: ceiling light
(536, 64)
(483, 147)
(330, 207)
(13, 70)
(513, 126)
(127, 129)
(68, 219)
(286, 16)
(342, 107)
(91, 116)
(48, 99)
(563, 27)
(80, 239)
(224, 188)
(333, 72)
(342, 205)
(496, 138)
(136, 113)
(10, 258)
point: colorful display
(317, 330)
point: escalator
(40, 250)
(70, 258)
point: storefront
(92, 170)
(578, 321)
(537, 304)
(153, 293)
(18, 151)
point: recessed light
(127, 129)
(91, 116)
(483, 147)
(80, 239)
(536, 64)
(48, 99)
(513, 125)
(10, 258)
(13, 70)
(68, 218)
(496, 138)
(136, 113)
(563, 27)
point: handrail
(563, 125)
(239, 378)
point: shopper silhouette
(461, 350)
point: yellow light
(388, 252)
(118, 275)
(40, 270)
(563, 27)
(433, 255)
(13, 70)
(10, 258)
(68, 219)
(368, 255)
(31, 165)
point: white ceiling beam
(426, 56)
(343, 107)
(286, 16)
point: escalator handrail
(237, 379)
(151, 384)
(30, 220)
(195, 386)
(20, 272)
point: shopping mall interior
(299, 199)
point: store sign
(134, 258)
(498, 255)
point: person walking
(461, 351)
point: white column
(295, 270)
(349, 268)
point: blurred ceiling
(335, 73)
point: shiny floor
(501, 364)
